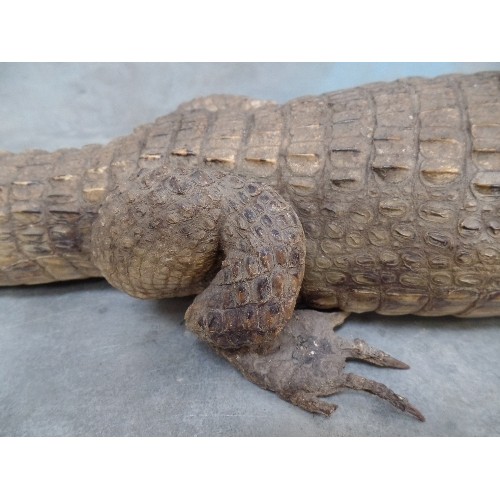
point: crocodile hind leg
(308, 360)
(240, 246)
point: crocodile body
(382, 198)
(397, 187)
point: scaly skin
(382, 198)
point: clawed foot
(309, 361)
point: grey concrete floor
(84, 359)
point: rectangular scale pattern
(397, 186)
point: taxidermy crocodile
(381, 198)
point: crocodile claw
(308, 361)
